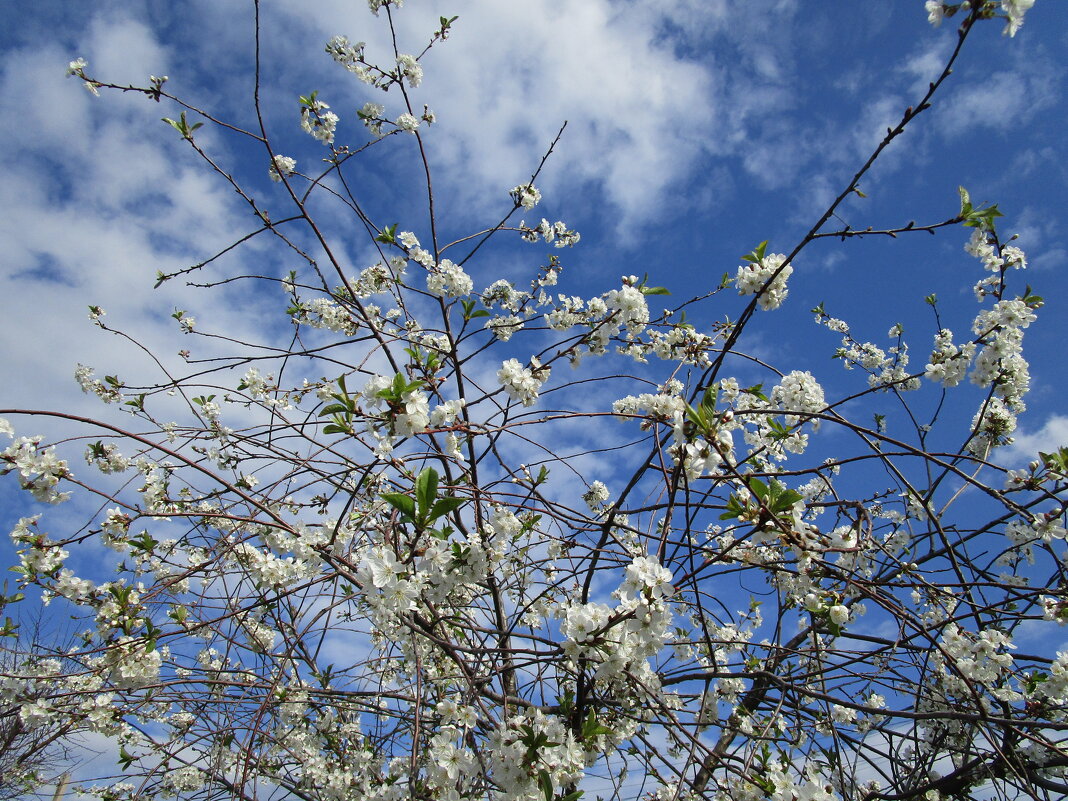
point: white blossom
(316, 120)
(407, 122)
(448, 280)
(281, 166)
(522, 383)
(757, 277)
(526, 196)
(410, 70)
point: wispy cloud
(1051, 436)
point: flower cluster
(518, 768)
(41, 556)
(39, 469)
(526, 196)
(523, 383)
(77, 68)
(503, 294)
(557, 233)
(404, 413)
(109, 391)
(408, 68)
(949, 363)
(317, 120)
(281, 166)
(351, 57)
(627, 306)
(504, 326)
(448, 280)
(968, 661)
(408, 123)
(326, 314)
(106, 458)
(619, 640)
(664, 406)
(1014, 11)
(799, 394)
(596, 496)
(767, 278)
(1001, 361)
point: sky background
(696, 129)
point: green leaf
(977, 218)
(757, 391)
(334, 408)
(735, 508)
(710, 397)
(1031, 299)
(655, 290)
(145, 542)
(426, 490)
(757, 255)
(545, 781)
(182, 126)
(388, 235)
(443, 506)
(592, 728)
(404, 504)
(470, 312)
(1057, 462)
(1034, 679)
(697, 417)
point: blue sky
(696, 129)
(694, 132)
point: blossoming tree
(355, 562)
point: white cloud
(647, 96)
(1053, 258)
(637, 115)
(926, 64)
(100, 199)
(1052, 435)
(652, 93)
(1001, 101)
(1031, 159)
(124, 49)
